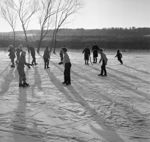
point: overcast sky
(103, 14)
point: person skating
(11, 55)
(67, 67)
(86, 53)
(95, 49)
(18, 52)
(46, 57)
(20, 67)
(104, 60)
(32, 51)
(119, 56)
(61, 57)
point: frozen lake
(115, 108)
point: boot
(25, 84)
(12, 66)
(21, 85)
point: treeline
(114, 38)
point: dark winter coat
(46, 54)
(11, 53)
(21, 64)
(118, 55)
(32, 50)
(86, 52)
(18, 51)
(95, 49)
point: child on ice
(18, 52)
(21, 72)
(119, 56)
(104, 63)
(67, 66)
(46, 57)
(61, 56)
(11, 55)
(86, 52)
(32, 51)
(95, 49)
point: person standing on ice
(119, 56)
(32, 51)
(95, 49)
(11, 54)
(61, 56)
(67, 67)
(21, 64)
(86, 53)
(18, 52)
(104, 60)
(46, 57)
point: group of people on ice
(64, 59)
(21, 61)
(96, 50)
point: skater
(67, 67)
(18, 52)
(119, 56)
(21, 72)
(61, 56)
(32, 50)
(95, 49)
(46, 57)
(104, 60)
(11, 55)
(86, 52)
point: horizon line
(133, 27)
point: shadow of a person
(59, 85)
(37, 78)
(37, 82)
(107, 133)
(8, 78)
(19, 122)
(4, 70)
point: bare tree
(65, 8)
(9, 15)
(45, 13)
(25, 10)
(52, 15)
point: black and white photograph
(75, 71)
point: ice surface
(115, 108)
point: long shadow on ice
(4, 70)
(125, 84)
(72, 72)
(129, 75)
(8, 78)
(77, 98)
(21, 132)
(19, 122)
(106, 132)
(138, 70)
(37, 81)
(58, 85)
